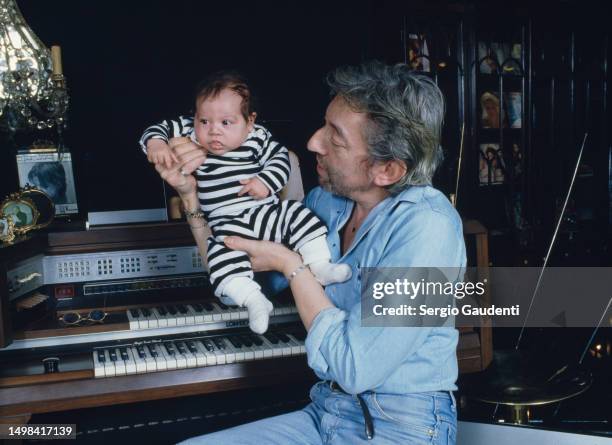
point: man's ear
(251, 121)
(388, 172)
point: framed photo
(491, 169)
(491, 113)
(418, 52)
(51, 172)
(514, 105)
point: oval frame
(28, 189)
(19, 207)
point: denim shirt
(416, 228)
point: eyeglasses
(74, 318)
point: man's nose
(315, 142)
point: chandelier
(33, 92)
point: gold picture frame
(28, 209)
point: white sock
(246, 292)
(328, 273)
(316, 256)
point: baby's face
(219, 124)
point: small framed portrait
(4, 227)
(51, 172)
(492, 168)
(418, 52)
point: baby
(238, 186)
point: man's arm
(361, 359)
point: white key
(299, 342)
(266, 347)
(119, 363)
(200, 358)
(189, 357)
(197, 316)
(226, 349)
(217, 312)
(151, 318)
(109, 366)
(189, 315)
(130, 364)
(162, 320)
(286, 347)
(150, 361)
(98, 366)
(172, 319)
(170, 360)
(134, 324)
(277, 350)
(249, 351)
(295, 347)
(181, 360)
(220, 355)
(160, 360)
(258, 351)
(211, 357)
(237, 354)
(141, 364)
(226, 314)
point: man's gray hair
(405, 112)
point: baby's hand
(158, 152)
(254, 187)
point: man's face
(343, 162)
(219, 124)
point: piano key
(139, 358)
(133, 315)
(197, 312)
(299, 342)
(162, 317)
(220, 351)
(236, 347)
(99, 359)
(258, 349)
(151, 318)
(168, 353)
(274, 344)
(130, 364)
(199, 355)
(186, 313)
(225, 310)
(206, 348)
(109, 366)
(247, 345)
(224, 346)
(152, 359)
(183, 356)
(119, 363)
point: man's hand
(254, 187)
(266, 255)
(179, 175)
(158, 152)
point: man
(376, 155)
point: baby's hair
(212, 85)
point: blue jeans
(336, 418)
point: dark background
(131, 64)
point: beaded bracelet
(295, 272)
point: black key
(124, 354)
(271, 338)
(235, 342)
(181, 347)
(182, 309)
(153, 350)
(223, 306)
(208, 345)
(141, 352)
(162, 311)
(101, 356)
(255, 339)
(135, 313)
(192, 347)
(246, 341)
(169, 348)
(197, 307)
(283, 337)
(146, 312)
(113, 355)
(219, 343)
(171, 309)
(208, 307)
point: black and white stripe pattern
(287, 222)
(218, 182)
(219, 177)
